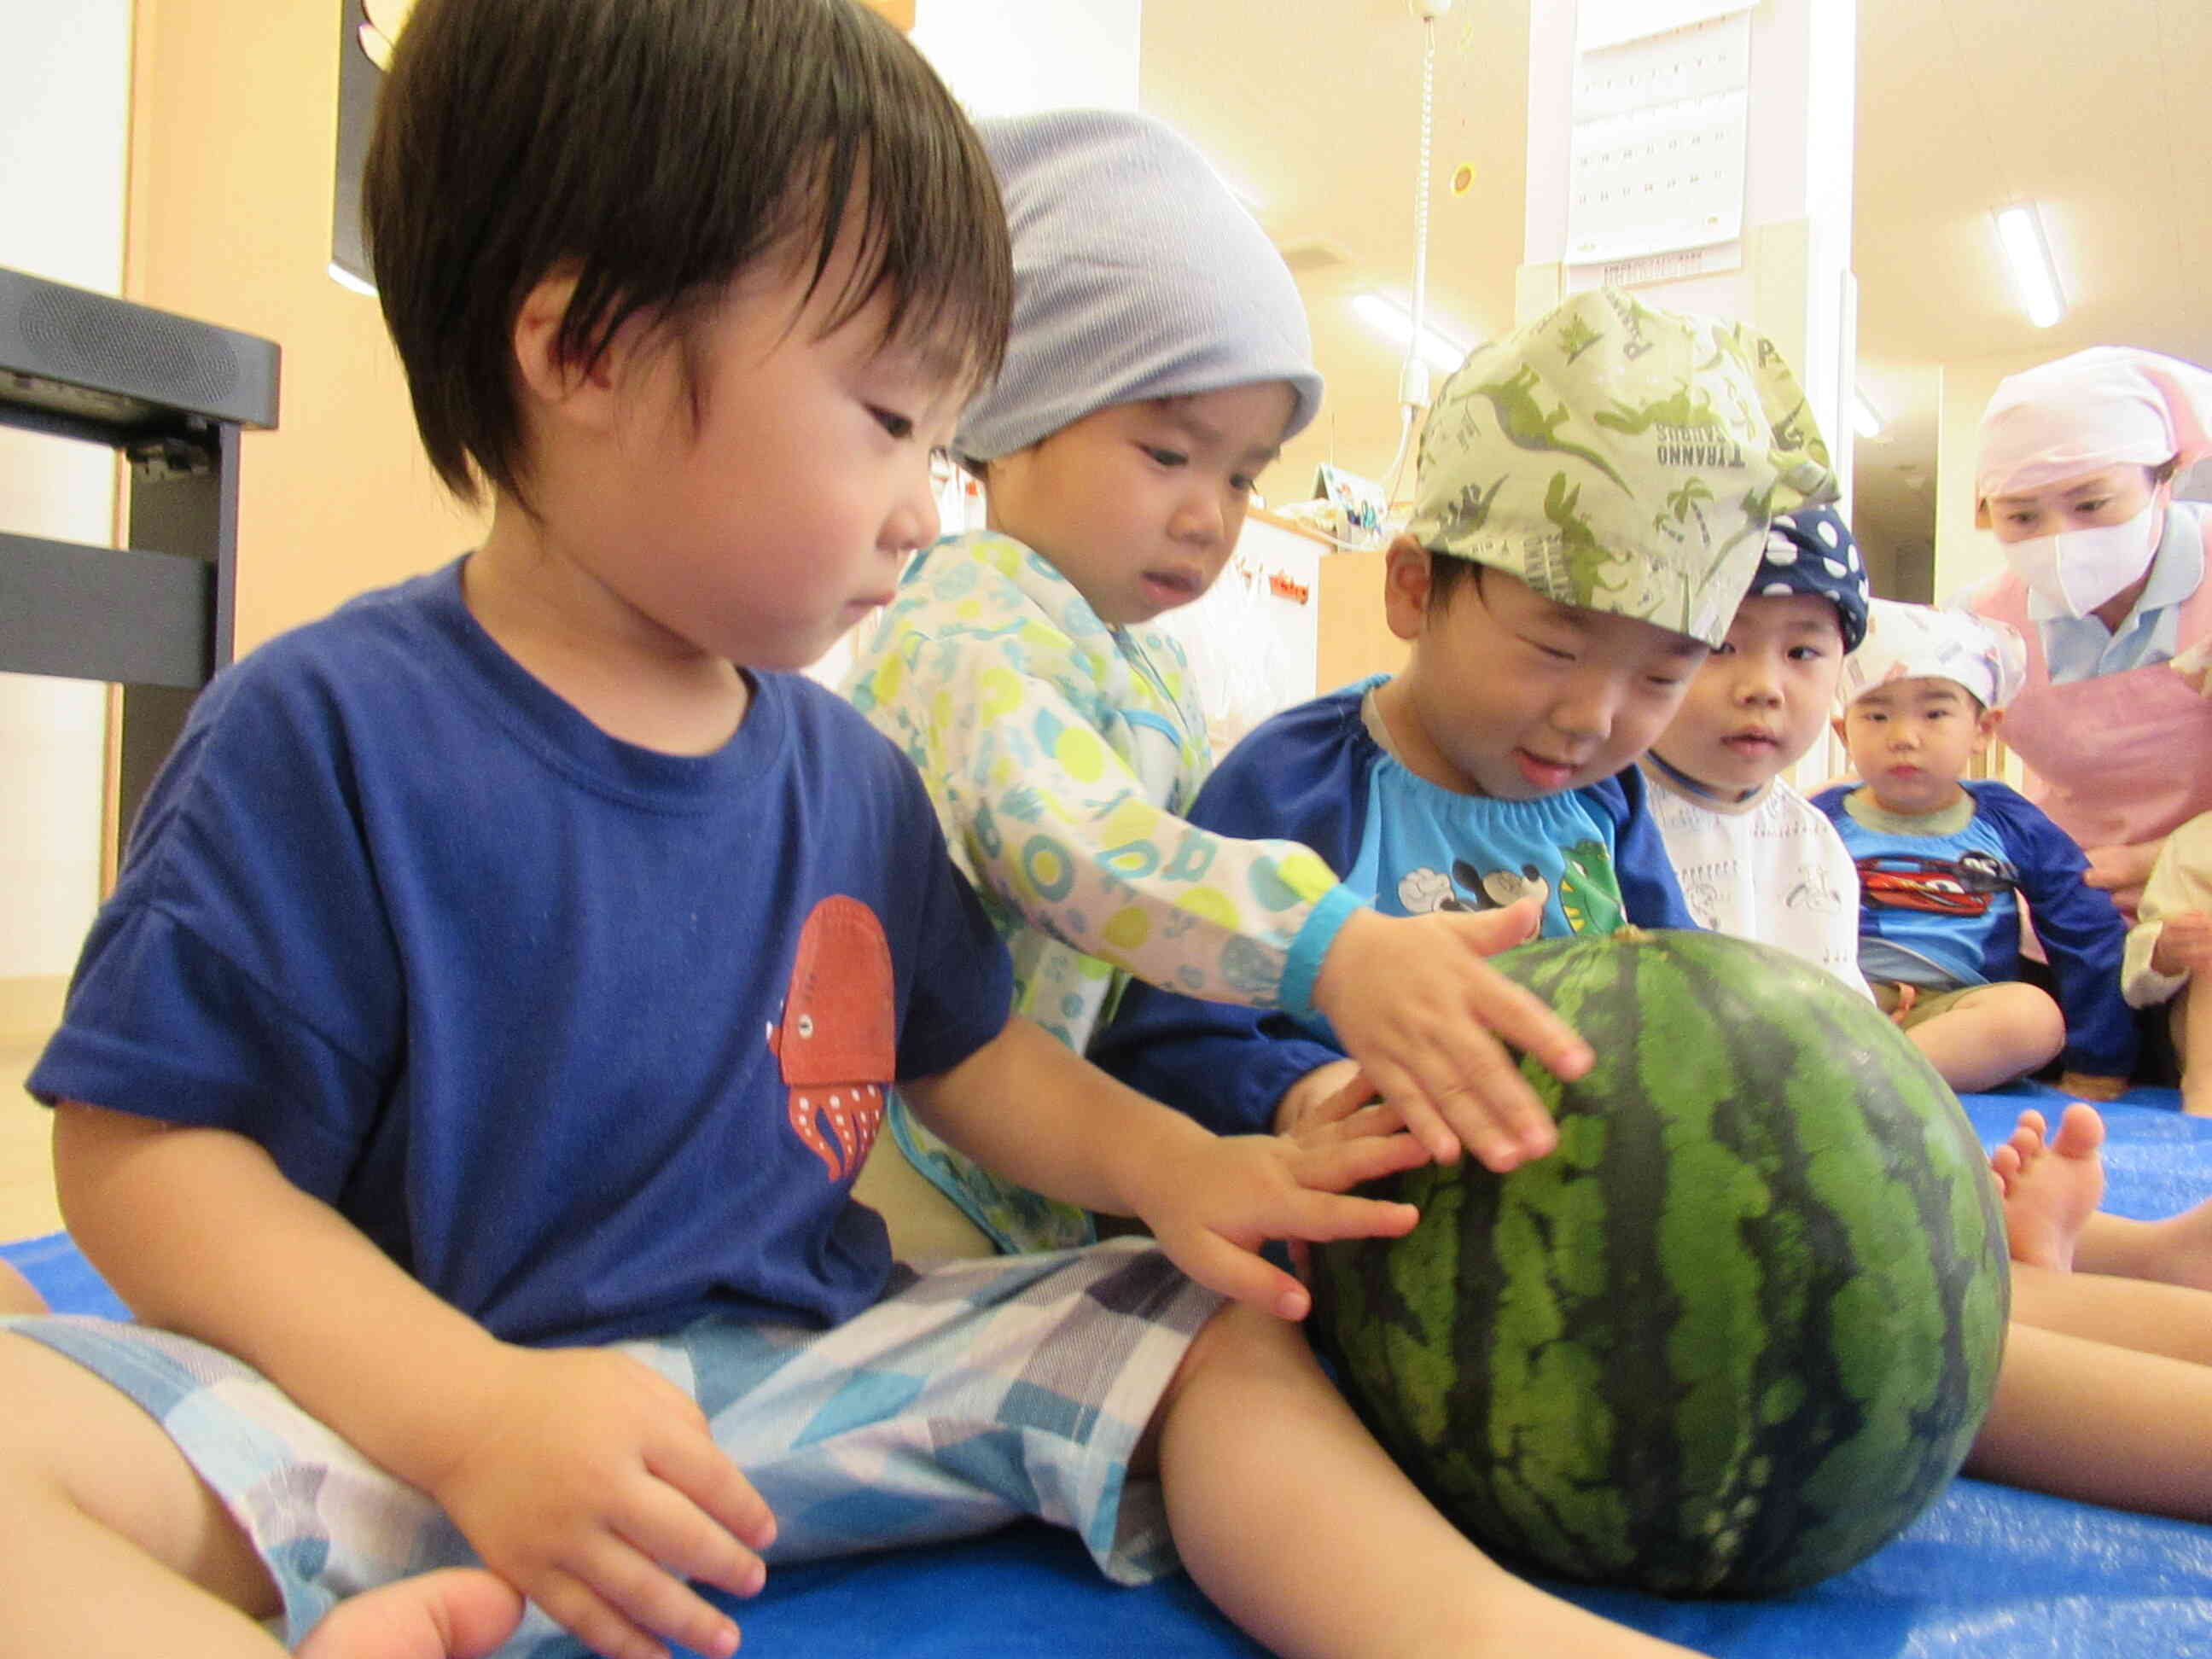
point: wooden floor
(27, 1178)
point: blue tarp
(1987, 1572)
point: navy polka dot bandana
(1811, 551)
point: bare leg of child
(16, 1294)
(2191, 1020)
(2052, 1188)
(1245, 1510)
(2105, 1425)
(2176, 1250)
(1991, 1034)
(2051, 1191)
(109, 1533)
(2141, 1315)
(458, 1614)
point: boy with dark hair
(465, 1082)
(1574, 553)
(1756, 859)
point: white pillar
(1793, 281)
(64, 130)
(1012, 56)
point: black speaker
(105, 359)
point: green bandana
(1622, 458)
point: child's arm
(2172, 939)
(1005, 730)
(2083, 936)
(1229, 1067)
(582, 1478)
(1024, 1106)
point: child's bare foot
(2052, 1188)
(461, 1613)
(16, 1295)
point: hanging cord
(1413, 378)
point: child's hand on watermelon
(1211, 1202)
(1327, 1093)
(1414, 1001)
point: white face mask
(2077, 570)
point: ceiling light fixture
(1389, 317)
(1866, 419)
(2020, 229)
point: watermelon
(1736, 1331)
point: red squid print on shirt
(837, 1043)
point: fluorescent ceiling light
(1394, 323)
(1866, 419)
(2021, 232)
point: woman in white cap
(2105, 581)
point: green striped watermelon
(1736, 1331)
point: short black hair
(1448, 574)
(657, 149)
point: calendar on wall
(1608, 22)
(1656, 161)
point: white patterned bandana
(1919, 642)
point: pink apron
(2118, 759)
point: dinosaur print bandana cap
(1620, 457)
(1918, 642)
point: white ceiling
(1311, 108)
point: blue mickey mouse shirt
(1322, 773)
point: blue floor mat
(1987, 1572)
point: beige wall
(1354, 639)
(1964, 555)
(232, 145)
(63, 126)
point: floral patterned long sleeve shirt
(1059, 751)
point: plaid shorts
(973, 1395)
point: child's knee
(2025, 1019)
(2043, 1025)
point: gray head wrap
(1137, 276)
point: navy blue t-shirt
(588, 1038)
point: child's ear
(544, 376)
(1836, 725)
(1992, 719)
(1405, 582)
